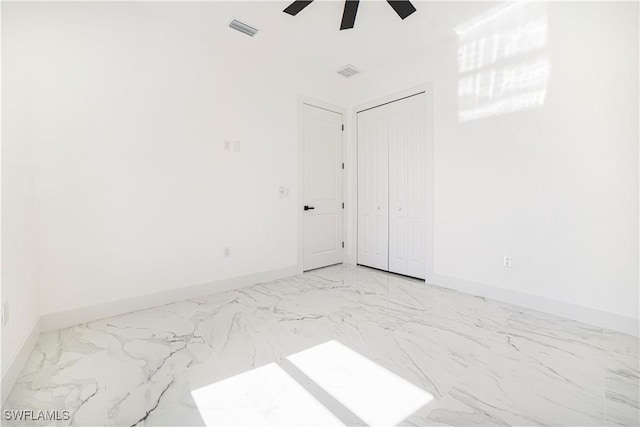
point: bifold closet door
(373, 188)
(407, 186)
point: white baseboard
(592, 316)
(14, 367)
(67, 318)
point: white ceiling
(310, 42)
(313, 40)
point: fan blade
(294, 8)
(349, 14)
(402, 8)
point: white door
(373, 191)
(322, 145)
(407, 186)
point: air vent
(243, 28)
(348, 70)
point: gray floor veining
(335, 346)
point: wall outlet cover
(507, 261)
(5, 313)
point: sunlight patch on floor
(270, 396)
(376, 395)
(265, 396)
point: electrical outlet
(507, 261)
(227, 145)
(283, 191)
(227, 252)
(5, 313)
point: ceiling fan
(403, 8)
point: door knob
(308, 208)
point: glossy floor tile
(341, 345)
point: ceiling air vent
(348, 70)
(243, 28)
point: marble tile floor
(342, 345)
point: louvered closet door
(407, 186)
(373, 188)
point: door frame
(352, 196)
(302, 101)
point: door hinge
(342, 127)
(343, 244)
(343, 166)
(342, 205)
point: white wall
(129, 105)
(18, 244)
(122, 109)
(551, 180)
